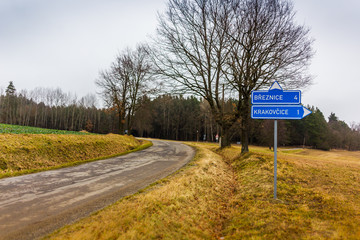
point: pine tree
(11, 104)
(10, 90)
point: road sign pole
(275, 158)
(277, 104)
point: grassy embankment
(28, 153)
(319, 198)
(319, 195)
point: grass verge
(318, 195)
(226, 195)
(29, 153)
(191, 204)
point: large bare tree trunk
(225, 140)
(245, 136)
(245, 123)
(121, 122)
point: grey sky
(64, 43)
(335, 27)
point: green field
(16, 129)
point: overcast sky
(65, 43)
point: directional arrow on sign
(279, 112)
(276, 86)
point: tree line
(54, 109)
(190, 119)
(168, 116)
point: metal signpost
(276, 104)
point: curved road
(34, 205)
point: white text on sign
(266, 97)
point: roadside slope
(34, 205)
(226, 195)
(318, 195)
(192, 204)
(27, 153)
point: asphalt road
(34, 205)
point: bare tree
(192, 48)
(140, 69)
(114, 85)
(269, 46)
(226, 48)
(124, 82)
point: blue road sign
(276, 95)
(279, 111)
(277, 104)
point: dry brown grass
(24, 153)
(319, 198)
(192, 204)
(319, 195)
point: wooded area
(52, 108)
(168, 117)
